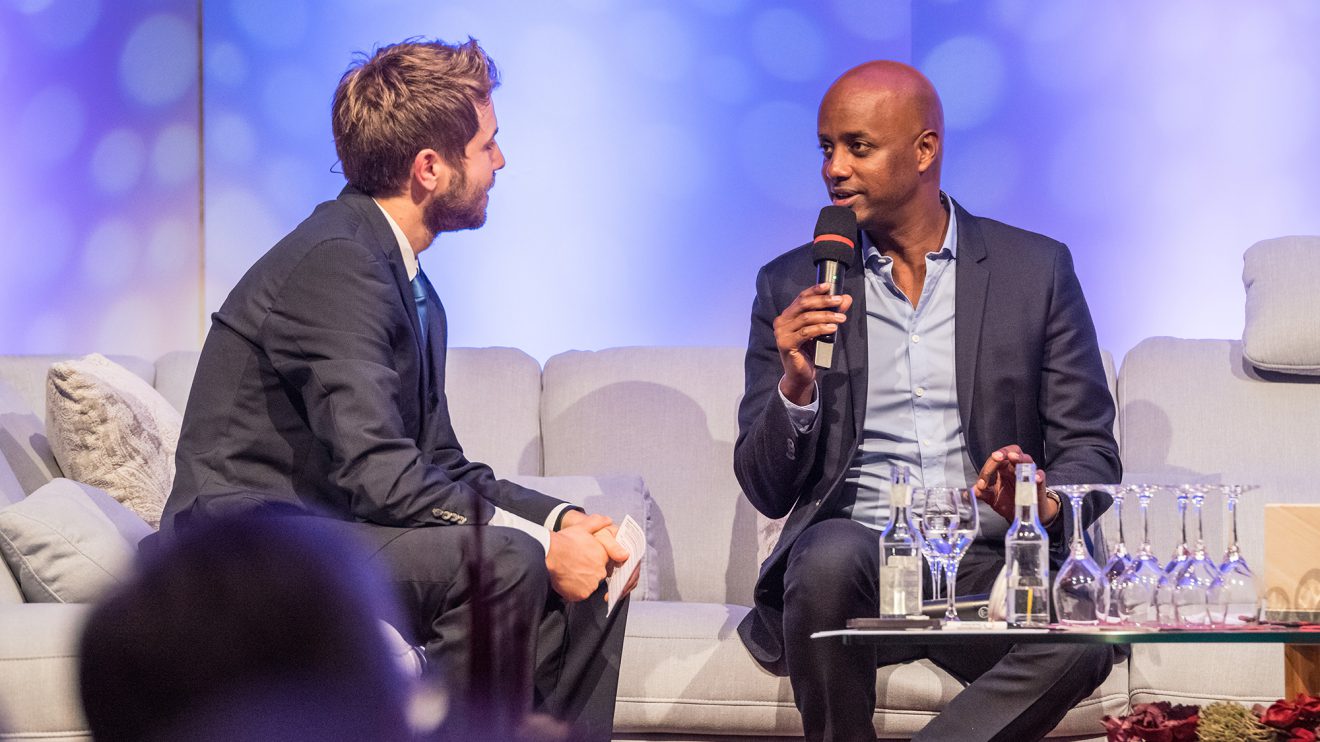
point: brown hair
(407, 97)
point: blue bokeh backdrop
(659, 153)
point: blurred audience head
(246, 629)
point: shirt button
(920, 391)
(916, 338)
(926, 442)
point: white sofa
(1187, 409)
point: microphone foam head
(837, 220)
(836, 231)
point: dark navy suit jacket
(1027, 371)
(313, 392)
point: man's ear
(431, 172)
(928, 150)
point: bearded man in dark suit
(320, 390)
(1017, 378)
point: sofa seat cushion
(39, 671)
(685, 670)
(1205, 673)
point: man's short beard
(457, 208)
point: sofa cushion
(68, 542)
(1282, 331)
(23, 443)
(670, 415)
(39, 672)
(174, 376)
(685, 670)
(1205, 673)
(1197, 410)
(617, 497)
(494, 399)
(111, 429)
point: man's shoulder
(790, 263)
(1005, 240)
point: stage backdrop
(659, 153)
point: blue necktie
(419, 296)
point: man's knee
(516, 563)
(833, 563)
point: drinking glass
(1181, 554)
(1239, 595)
(951, 515)
(1080, 588)
(930, 549)
(1138, 587)
(1119, 560)
(1196, 585)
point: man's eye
(859, 148)
(826, 149)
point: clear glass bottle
(900, 553)
(1027, 556)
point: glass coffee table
(1301, 658)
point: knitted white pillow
(110, 429)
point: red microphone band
(835, 238)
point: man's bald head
(881, 130)
(907, 94)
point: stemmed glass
(930, 547)
(1164, 596)
(1239, 597)
(950, 517)
(1080, 589)
(1196, 585)
(1118, 561)
(1137, 588)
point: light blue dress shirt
(912, 398)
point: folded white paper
(630, 537)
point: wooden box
(1292, 563)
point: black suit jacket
(1027, 371)
(313, 392)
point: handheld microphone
(832, 252)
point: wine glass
(951, 513)
(1119, 560)
(1181, 554)
(1138, 587)
(1197, 583)
(1239, 595)
(1080, 588)
(930, 545)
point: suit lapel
(853, 346)
(970, 292)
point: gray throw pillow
(68, 542)
(614, 496)
(1282, 331)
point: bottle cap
(1025, 492)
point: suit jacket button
(437, 513)
(460, 519)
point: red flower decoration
(1160, 721)
(1298, 718)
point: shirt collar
(948, 248)
(405, 247)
